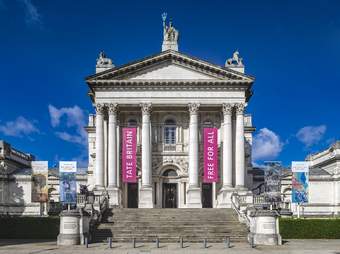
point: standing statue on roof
(236, 60)
(170, 35)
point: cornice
(168, 85)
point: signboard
(210, 155)
(129, 158)
(300, 174)
(68, 184)
(40, 177)
(272, 179)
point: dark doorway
(132, 189)
(207, 195)
(169, 195)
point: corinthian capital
(227, 108)
(239, 108)
(113, 108)
(193, 108)
(99, 108)
(146, 108)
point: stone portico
(170, 97)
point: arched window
(132, 123)
(170, 132)
(170, 172)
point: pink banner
(129, 155)
(210, 155)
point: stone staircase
(169, 224)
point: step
(169, 224)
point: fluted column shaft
(146, 145)
(239, 147)
(99, 172)
(112, 145)
(193, 145)
(227, 146)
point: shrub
(310, 228)
(29, 227)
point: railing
(237, 201)
(169, 147)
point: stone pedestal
(264, 227)
(114, 197)
(145, 198)
(194, 198)
(224, 197)
(69, 232)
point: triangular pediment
(170, 65)
(168, 71)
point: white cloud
(74, 118)
(266, 145)
(32, 16)
(19, 127)
(70, 138)
(311, 135)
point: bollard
(110, 242)
(86, 242)
(157, 242)
(205, 243)
(252, 244)
(181, 242)
(134, 242)
(227, 242)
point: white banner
(300, 166)
(39, 167)
(68, 166)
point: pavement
(49, 246)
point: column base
(145, 198)
(98, 188)
(114, 196)
(194, 197)
(224, 197)
(241, 188)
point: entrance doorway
(207, 195)
(132, 189)
(169, 195)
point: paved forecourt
(291, 246)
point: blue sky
(47, 48)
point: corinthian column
(227, 146)
(146, 145)
(99, 172)
(145, 197)
(193, 145)
(194, 191)
(239, 147)
(112, 145)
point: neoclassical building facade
(169, 97)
